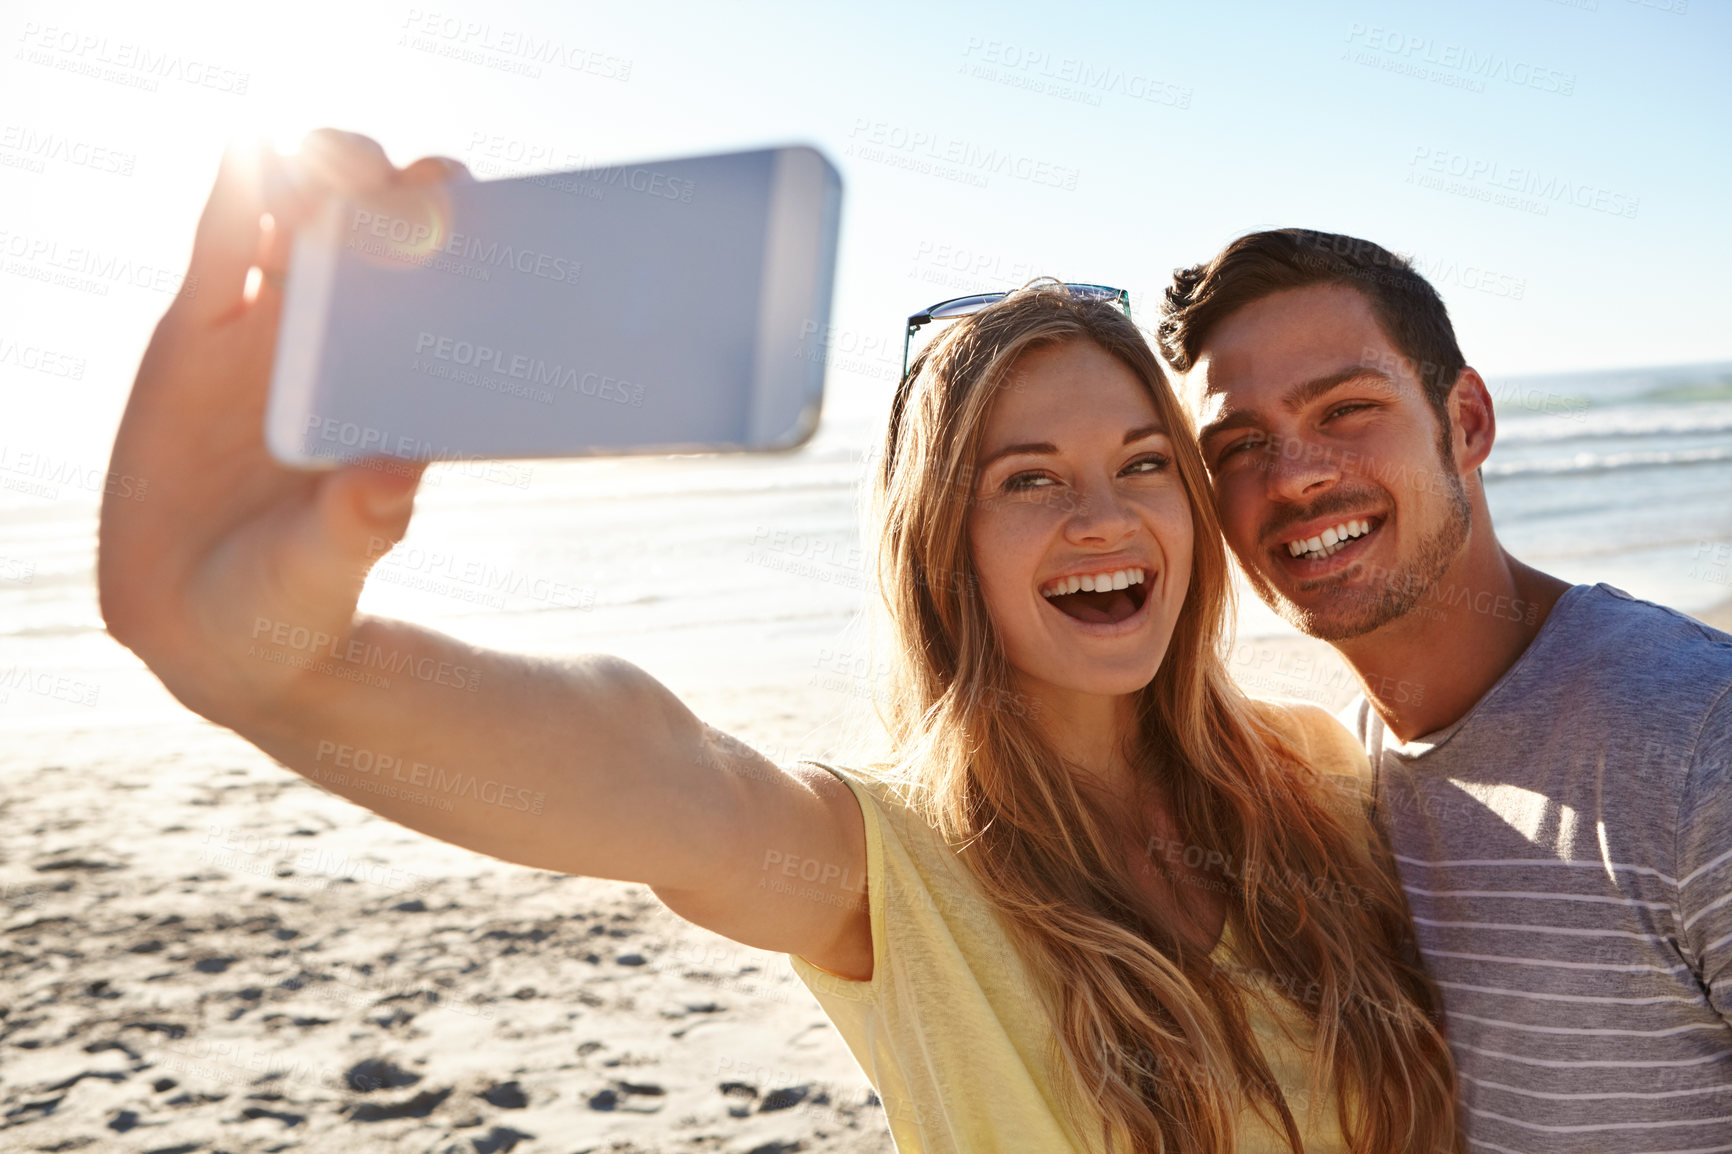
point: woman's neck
(1089, 732)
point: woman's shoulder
(870, 783)
(887, 800)
(1316, 735)
(899, 812)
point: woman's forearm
(581, 765)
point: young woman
(1110, 904)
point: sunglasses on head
(957, 307)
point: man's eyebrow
(1295, 399)
(1301, 395)
(1048, 449)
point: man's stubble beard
(1354, 610)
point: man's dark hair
(1407, 308)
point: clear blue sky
(1562, 169)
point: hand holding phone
(236, 578)
(214, 535)
(664, 306)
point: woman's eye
(1020, 481)
(1153, 463)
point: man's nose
(1298, 469)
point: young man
(1552, 761)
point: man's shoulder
(1606, 642)
(1600, 604)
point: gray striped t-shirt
(1567, 851)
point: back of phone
(660, 307)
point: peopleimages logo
(522, 367)
(1066, 77)
(1452, 171)
(952, 157)
(518, 50)
(34, 148)
(1432, 59)
(139, 66)
(417, 241)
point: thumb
(322, 554)
(367, 507)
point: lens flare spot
(404, 227)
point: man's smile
(1322, 548)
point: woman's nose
(1099, 512)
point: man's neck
(1423, 671)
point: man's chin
(1336, 615)
(1334, 626)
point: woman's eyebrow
(1048, 449)
(1031, 448)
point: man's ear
(1473, 424)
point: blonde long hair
(1156, 1036)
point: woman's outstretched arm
(236, 580)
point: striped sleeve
(1704, 868)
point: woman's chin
(1093, 681)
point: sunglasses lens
(963, 306)
(967, 306)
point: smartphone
(669, 306)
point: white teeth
(1330, 541)
(1095, 582)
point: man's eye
(1350, 407)
(1235, 447)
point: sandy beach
(205, 953)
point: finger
(345, 163)
(332, 162)
(227, 238)
(435, 168)
(327, 163)
(271, 263)
(356, 515)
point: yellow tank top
(949, 1029)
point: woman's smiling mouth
(1104, 598)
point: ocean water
(747, 573)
